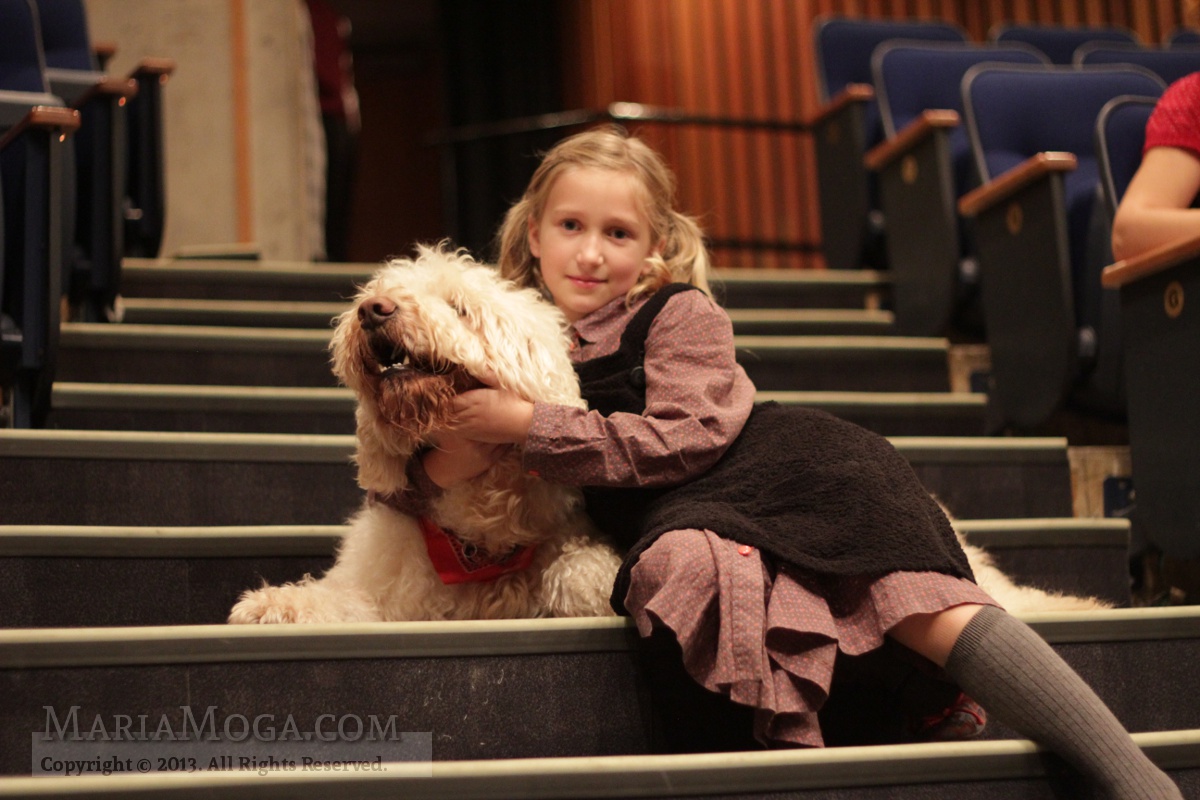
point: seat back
(22, 64)
(65, 35)
(1015, 112)
(844, 46)
(912, 76)
(1170, 64)
(1120, 137)
(1182, 36)
(1059, 42)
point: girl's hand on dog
(492, 415)
(455, 458)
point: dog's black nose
(375, 311)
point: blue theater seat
(37, 205)
(847, 125)
(100, 156)
(1170, 64)
(924, 166)
(1059, 42)
(1032, 133)
(68, 45)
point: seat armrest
(909, 137)
(853, 93)
(1151, 262)
(77, 87)
(1005, 186)
(152, 66)
(43, 118)
(14, 106)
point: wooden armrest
(912, 134)
(44, 118)
(125, 88)
(1017, 178)
(104, 50)
(1150, 262)
(853, 93)
(162, 67)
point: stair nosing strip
(76, 395)
(83, 541)
(692, 774)
(181, 644)
(112, 541)
(202, 338)
(1046, 532)
(184, 644)
(174, 446)
(190, 446)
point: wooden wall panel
(754, 59)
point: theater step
(71, 477)
(298, 357)
(1073, 555)
(1008, 770)
(498, 689)
(148, 478)
(228, 409)
(187, 354)
(275, 314)
(285, 281)
(897, 413)
(72, 576)
(845, 363)
(810, 288)
(278, 281)
(232, 313)
(280, 409)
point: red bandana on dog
(456, 562)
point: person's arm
(1156, 209)
(697, 399)
(454, 459)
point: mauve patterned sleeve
(697, 400)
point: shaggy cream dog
(420, 332)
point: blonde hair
(682, 257)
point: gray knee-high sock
(1017, 677)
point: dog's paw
(264, 607)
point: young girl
(765, 540)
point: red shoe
(965, 719)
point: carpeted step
(811, 322)
(493, 690)
(72, 576)
(278, 281)
(71, 477)
(149, 478)
(768, 288)
(188, 354)
(979, 477)
(284, 281)
(897, 413)
(1080, 556)
(280, 409)
(227, 409)
(845, 363)
(194, 354)
(231, 313)
(1008, 770)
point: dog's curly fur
(420, 332)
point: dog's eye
(458, 309)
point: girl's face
(592, 239)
